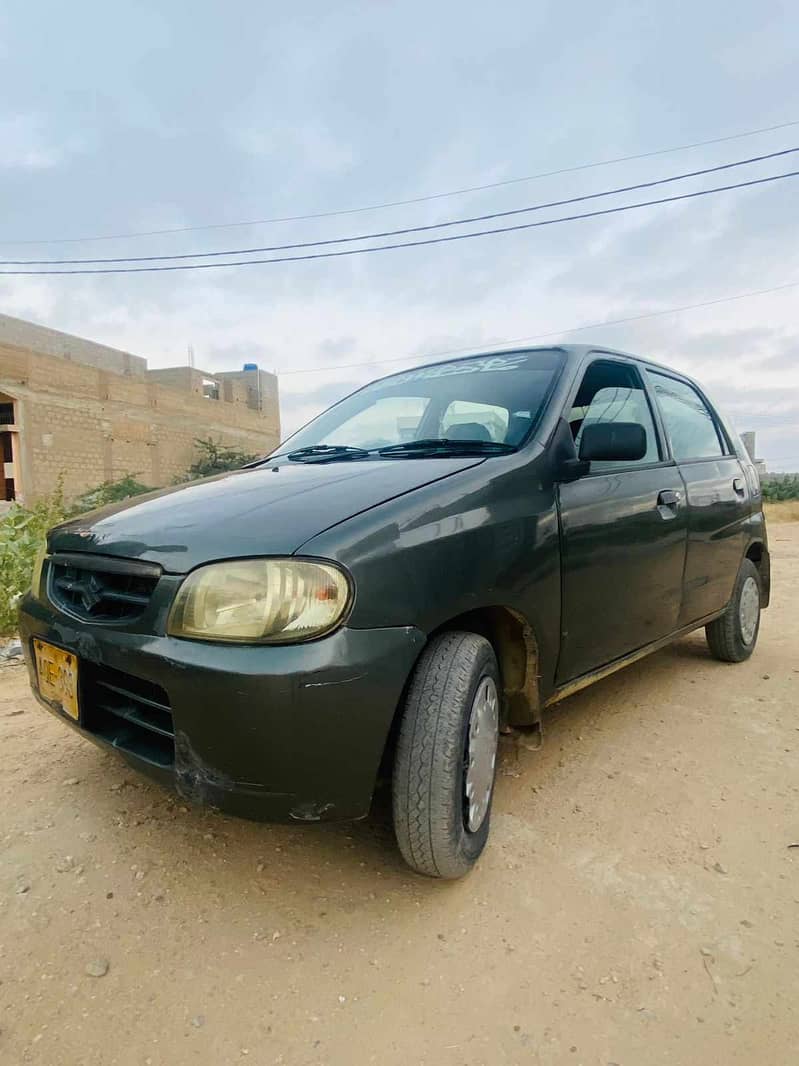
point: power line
(409, 244)
(413, 200)
(550, 334)
(409, 229)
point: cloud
(308, 144)
(191, 121)
(24, 144)
(336, 349)
(787, 359)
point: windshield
(491, 400)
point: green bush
(215, 458)
(781, 487)
(22, 533)
(109, 492)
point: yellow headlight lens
(274, 601)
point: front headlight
(272, 601)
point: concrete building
(88, 413)
(750, 443)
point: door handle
(738, 485)
(669, 498)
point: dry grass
(782, 511)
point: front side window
(613, 392)
(491, 400)
(689, 422)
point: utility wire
(412, 200)
(408, 229)
(409, 244)
(546, 336)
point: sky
(131, 117)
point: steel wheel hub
(481, 753)
(749, 610)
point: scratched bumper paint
(293, 733)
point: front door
(717, 495)
(623, 533)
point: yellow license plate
(57, 672)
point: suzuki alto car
(440, 556)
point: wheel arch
(517, 652)
(757, 552)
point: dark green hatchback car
(436, 558)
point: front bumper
(266, 732)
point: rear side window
(689, 421)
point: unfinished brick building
(78, 410)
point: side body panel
(487, 537)
(755, 532)
(719, 499)
(718, 515)
(623, 551)
(623, 559)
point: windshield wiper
(425, 448)
(320, 453)
(445, 446)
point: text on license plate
(57, 673)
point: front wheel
(732, 636)
(446, 756)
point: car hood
(267, 510)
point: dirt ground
(638, 904)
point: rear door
(623, 531)
(718, 495)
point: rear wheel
(732, 636)
(446, 756)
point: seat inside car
(468, 431)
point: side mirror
(612, 441)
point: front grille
(128, 712)
(100, 589)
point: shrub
(22, 533)
(109, 492)
(215, 458)
(780, 487)
(23, 530)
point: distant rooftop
(252, 387)
(24, 334)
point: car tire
(445, 763)
(733, 635)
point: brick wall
(31, 336)
(90, 425)
(185, 378)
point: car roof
(574, 353)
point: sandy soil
(783, 511)
(639, 902)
